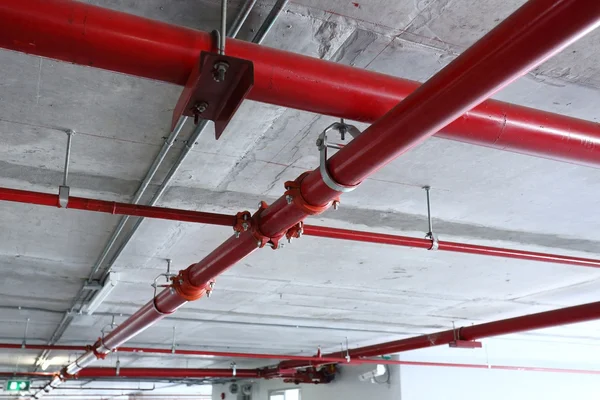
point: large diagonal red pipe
(80, 33)
(536, 31)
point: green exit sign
(16, 386)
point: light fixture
(45, 364)
(109, 284)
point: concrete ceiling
(315, 291)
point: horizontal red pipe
(111, 207)
(167, 373)
(80, 203)
(548, 319)
(405, 241)
(84, 34)
(111, 372)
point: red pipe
(110, 372)
(533, 33)
(80, 203)
(313, 360)
(83, 34)
(405, 241)
(167, 373)
(111, 207)
(548, 319)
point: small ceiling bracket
(322, 145)
(460, 343)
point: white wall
(426, 383)
(346, 386)
(435, 383)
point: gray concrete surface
(315, 291)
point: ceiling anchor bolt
(220, 67)
(233, 369)
(430, 235)
(63, 190)
(323, 145)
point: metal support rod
(79, 203)
(223, 35)
(70, 134)
(429, 221)
(435, 244)
(240, 18)
(266, 26)
(24, 343)
(133, 45)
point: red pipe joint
(184, 287)
(293, 194)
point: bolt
(336, 204)
(319, 142)
(200, 107)
(245, 226)
(259, 243)
(219, 70)
(289, 199)
(300, 232)
(290, 239)
(237, 235)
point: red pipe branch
(539, 29)
(80, 203)
(111, 207)
(110, 372)
(84, 34)
(314, 360)
(168, 373)
(570, 315)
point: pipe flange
(294, 195)
(185, 289)
(263, 240)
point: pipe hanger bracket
(322, 145)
